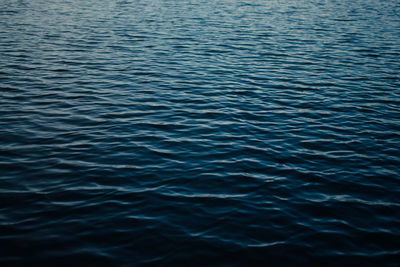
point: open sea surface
(194, 132)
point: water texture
(193, 132)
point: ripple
(199, 132)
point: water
(200, 132)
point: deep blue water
(193, 132)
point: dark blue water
(193, 132)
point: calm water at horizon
(193, 132)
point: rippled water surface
(200, 132)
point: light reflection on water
(202, 132)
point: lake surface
(193, 132)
